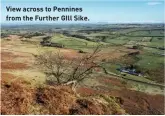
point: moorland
(125, 77)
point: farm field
(129, 77)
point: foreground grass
(18, 98)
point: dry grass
(55, 100)
(18, 98)
(134, 102)
(13, 65)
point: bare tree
(64, 71)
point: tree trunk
(73, 85)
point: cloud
(153, 3)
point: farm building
(129, 71)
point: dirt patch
(110, 56)
(10, 56)
(69, 54)
(7, 56)
(113, 81)
(84, 91)
(13, 65)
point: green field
(148, 40)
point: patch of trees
(4, 35)
(46, 41)
(30, 35)
(160, 38)
(102, 29)
(137, 68)
(90, 30)
(156, 74)
(149, 30)
(77, 36)
(136, 47)
(102, 38)
(80, 36)
(47, 38)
